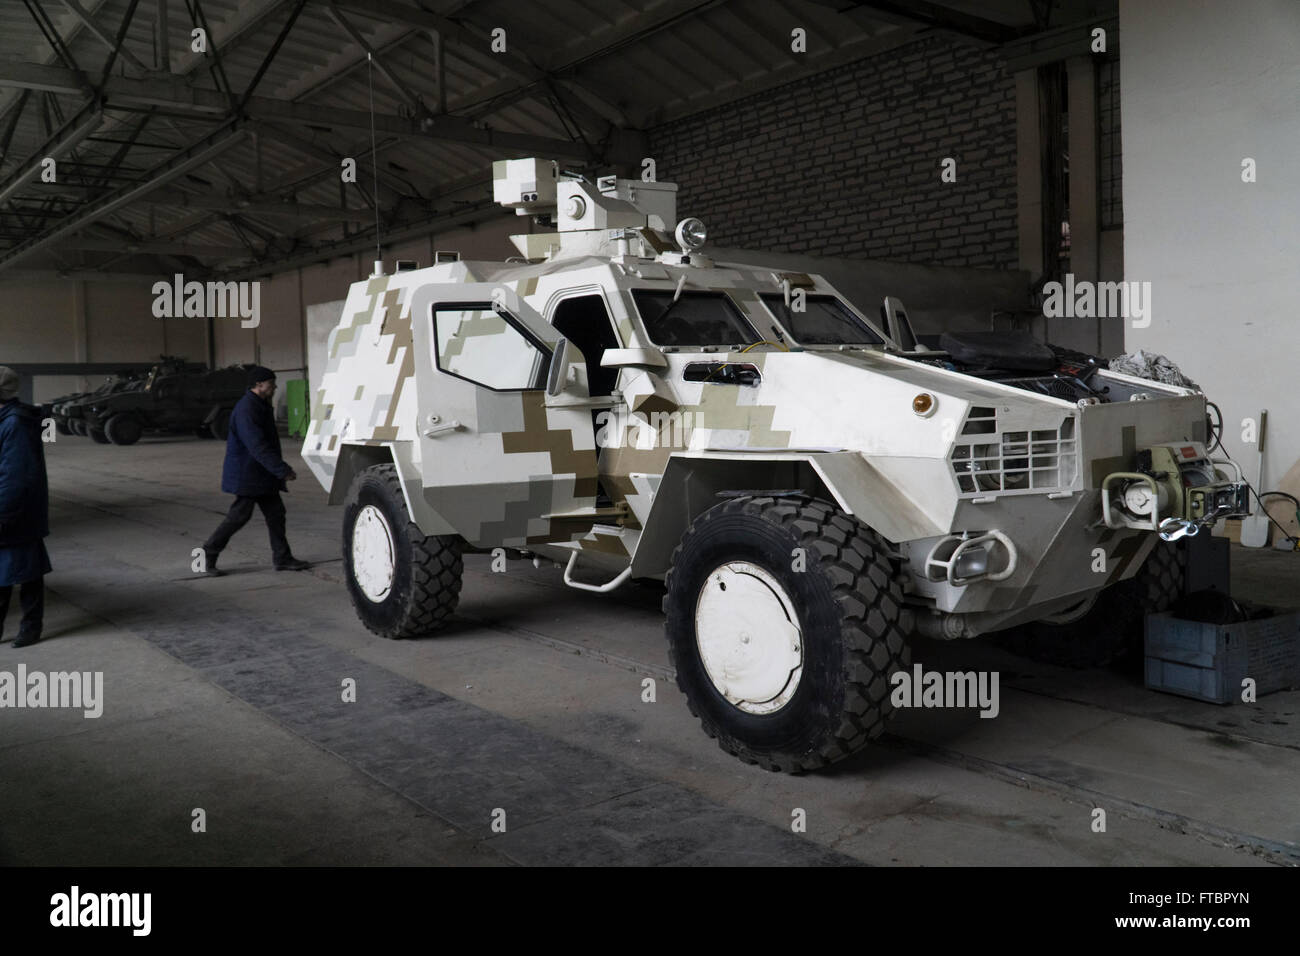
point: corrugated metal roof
(573, 72)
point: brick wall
(847, 162)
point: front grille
(1014, 462)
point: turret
(612, 216)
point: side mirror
(567, 363)
(898, 325)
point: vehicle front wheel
(123, 430)
(97, 435)
(785, 621)
(402, 582)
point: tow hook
(1171, 529)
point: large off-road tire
(785, 621)
(77, 426)
(1112, 628)
(97, 435)
(220, 426)
(123, 429)
(402, 582)
(61, 426)
(203, 431)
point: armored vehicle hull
(811, 484)
(175, 397)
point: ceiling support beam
(399, 232)
(118, 45)
(217, 71)
(170, 94)
(472, 41)
(46, 26)
(270, 55)
(7, 137)
(196, 154)
(162, 38)
(256, 206)
(939, 17)
(84, 122)
(98, 33)
(146, 247)
(398, 86)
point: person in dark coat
(24, 510)
(255, 474)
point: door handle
(437, 429)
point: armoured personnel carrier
(812, 485)
(68, 410)
(176, 396)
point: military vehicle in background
(813, 486)
(176, 396)
(67, 409)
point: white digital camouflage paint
(511, 403)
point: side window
(824, 321)
(474, 342)
(693, 318)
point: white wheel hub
(374, 556)
(748, 637)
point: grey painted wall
(60, 320)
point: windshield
(696, 318)
(825, 320)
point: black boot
(27, 639)
(292, 564)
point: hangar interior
(960, 156)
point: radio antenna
(374, 161)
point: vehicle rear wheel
(202, 431)
(221, 424)
(1112, 627)
(123, 430)
(77, 426)
(402, 582)
(785, 621)
(61, 426)
(97, 435)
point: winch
(1176, 489)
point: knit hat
(258, 374)
(8, 383)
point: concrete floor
(225, 695)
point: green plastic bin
(297, 406)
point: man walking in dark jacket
(255, 474)
(24, 510)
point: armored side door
(499, 463)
